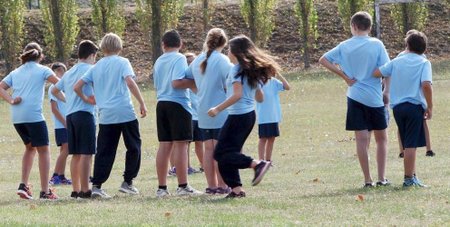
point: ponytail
(216, 38)
(31, 52)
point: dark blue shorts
(60, 136)
(173, 122)
(81, 133)
(409, 119)
(210, 133)
(197, 133)
(362, 117)
(268, 130)
(35, 133)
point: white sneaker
(128, 188)
(188, 190)
(98, 193)
(161, 193)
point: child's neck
(172, 49)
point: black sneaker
(260, 170)
(430, 153)
(85, 195)
(401, 155)
(386, 182)
(50, 195)
(24, 191)
(74, 195)
(369, 185)
(232, 195)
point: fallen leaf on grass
(297, 172)
(167, 214)
(360, 197)
(32, 206)
(316, 180)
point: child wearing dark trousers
(252, 67)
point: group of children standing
(100, 92)
(223, 90)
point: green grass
(315, 181)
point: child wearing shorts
(28, 83)
(269, 115)
(113, 80)
(357, 58)
(80, 119)
(411, 99)
(58, 108)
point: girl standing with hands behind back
(252, 68)
(27, 83)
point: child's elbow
(322, 60)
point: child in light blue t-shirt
(269, 116)
(410, 98)
(28, 83)
(113, 80)
(58, 108)
(357, 58)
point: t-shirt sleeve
(51, 97)
(383, 58)
(47, 72)
(179, 69)
(127, 69)
(427, 73)
(8, 80)
(334, 55)
(386, 69)
(87, 77)
(189, 73)
(278, 85)
(60, 84)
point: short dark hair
(417, 42)
(171, 39)
(58, 65)
(362, 20)
(86, 48)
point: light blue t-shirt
(269, 111)
(61, 108)
(111, 91)
(246, 103)
(194, 103)
(407, 73)
(28, 82)
(73, 102)
(358, 57)
(169, 67)
(211, 87)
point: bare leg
(75, 173)
(262, 148)
(181, 160)
(381, 140)
(209, 165)
(27, 162)
(162, 162)
(60, 166)
(362, 143)
(85, 166)
(410, 161)
(269, 148)
(44, 166)
(199, 151)
(172, 160)
(427, 135)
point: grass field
(316, 179)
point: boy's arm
(78, 88)
(53, 79)
(134, 89)
(5, 95)
(428, 93)
(56, 112)
(237, 94)
(386, 90)
(184, 83)
(330, 66)
(283, 80)
(377, 73)
(259, 95)
(58, 94)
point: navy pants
(107, 142)
(229, 146)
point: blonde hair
(111, 44)
(216, 38)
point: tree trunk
(5, 51)
(305, 33)
(156, 30)
(405, 14)
(205, 15)
(252, 19)
(103, 11)
(55, 11)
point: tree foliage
(108, 16)
(11, 29)
(61, 27)
(409, 16)
(259, 15)
(347, 8)
(307, 18)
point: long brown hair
(254, 63)
(216, 38)
(31, 52)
